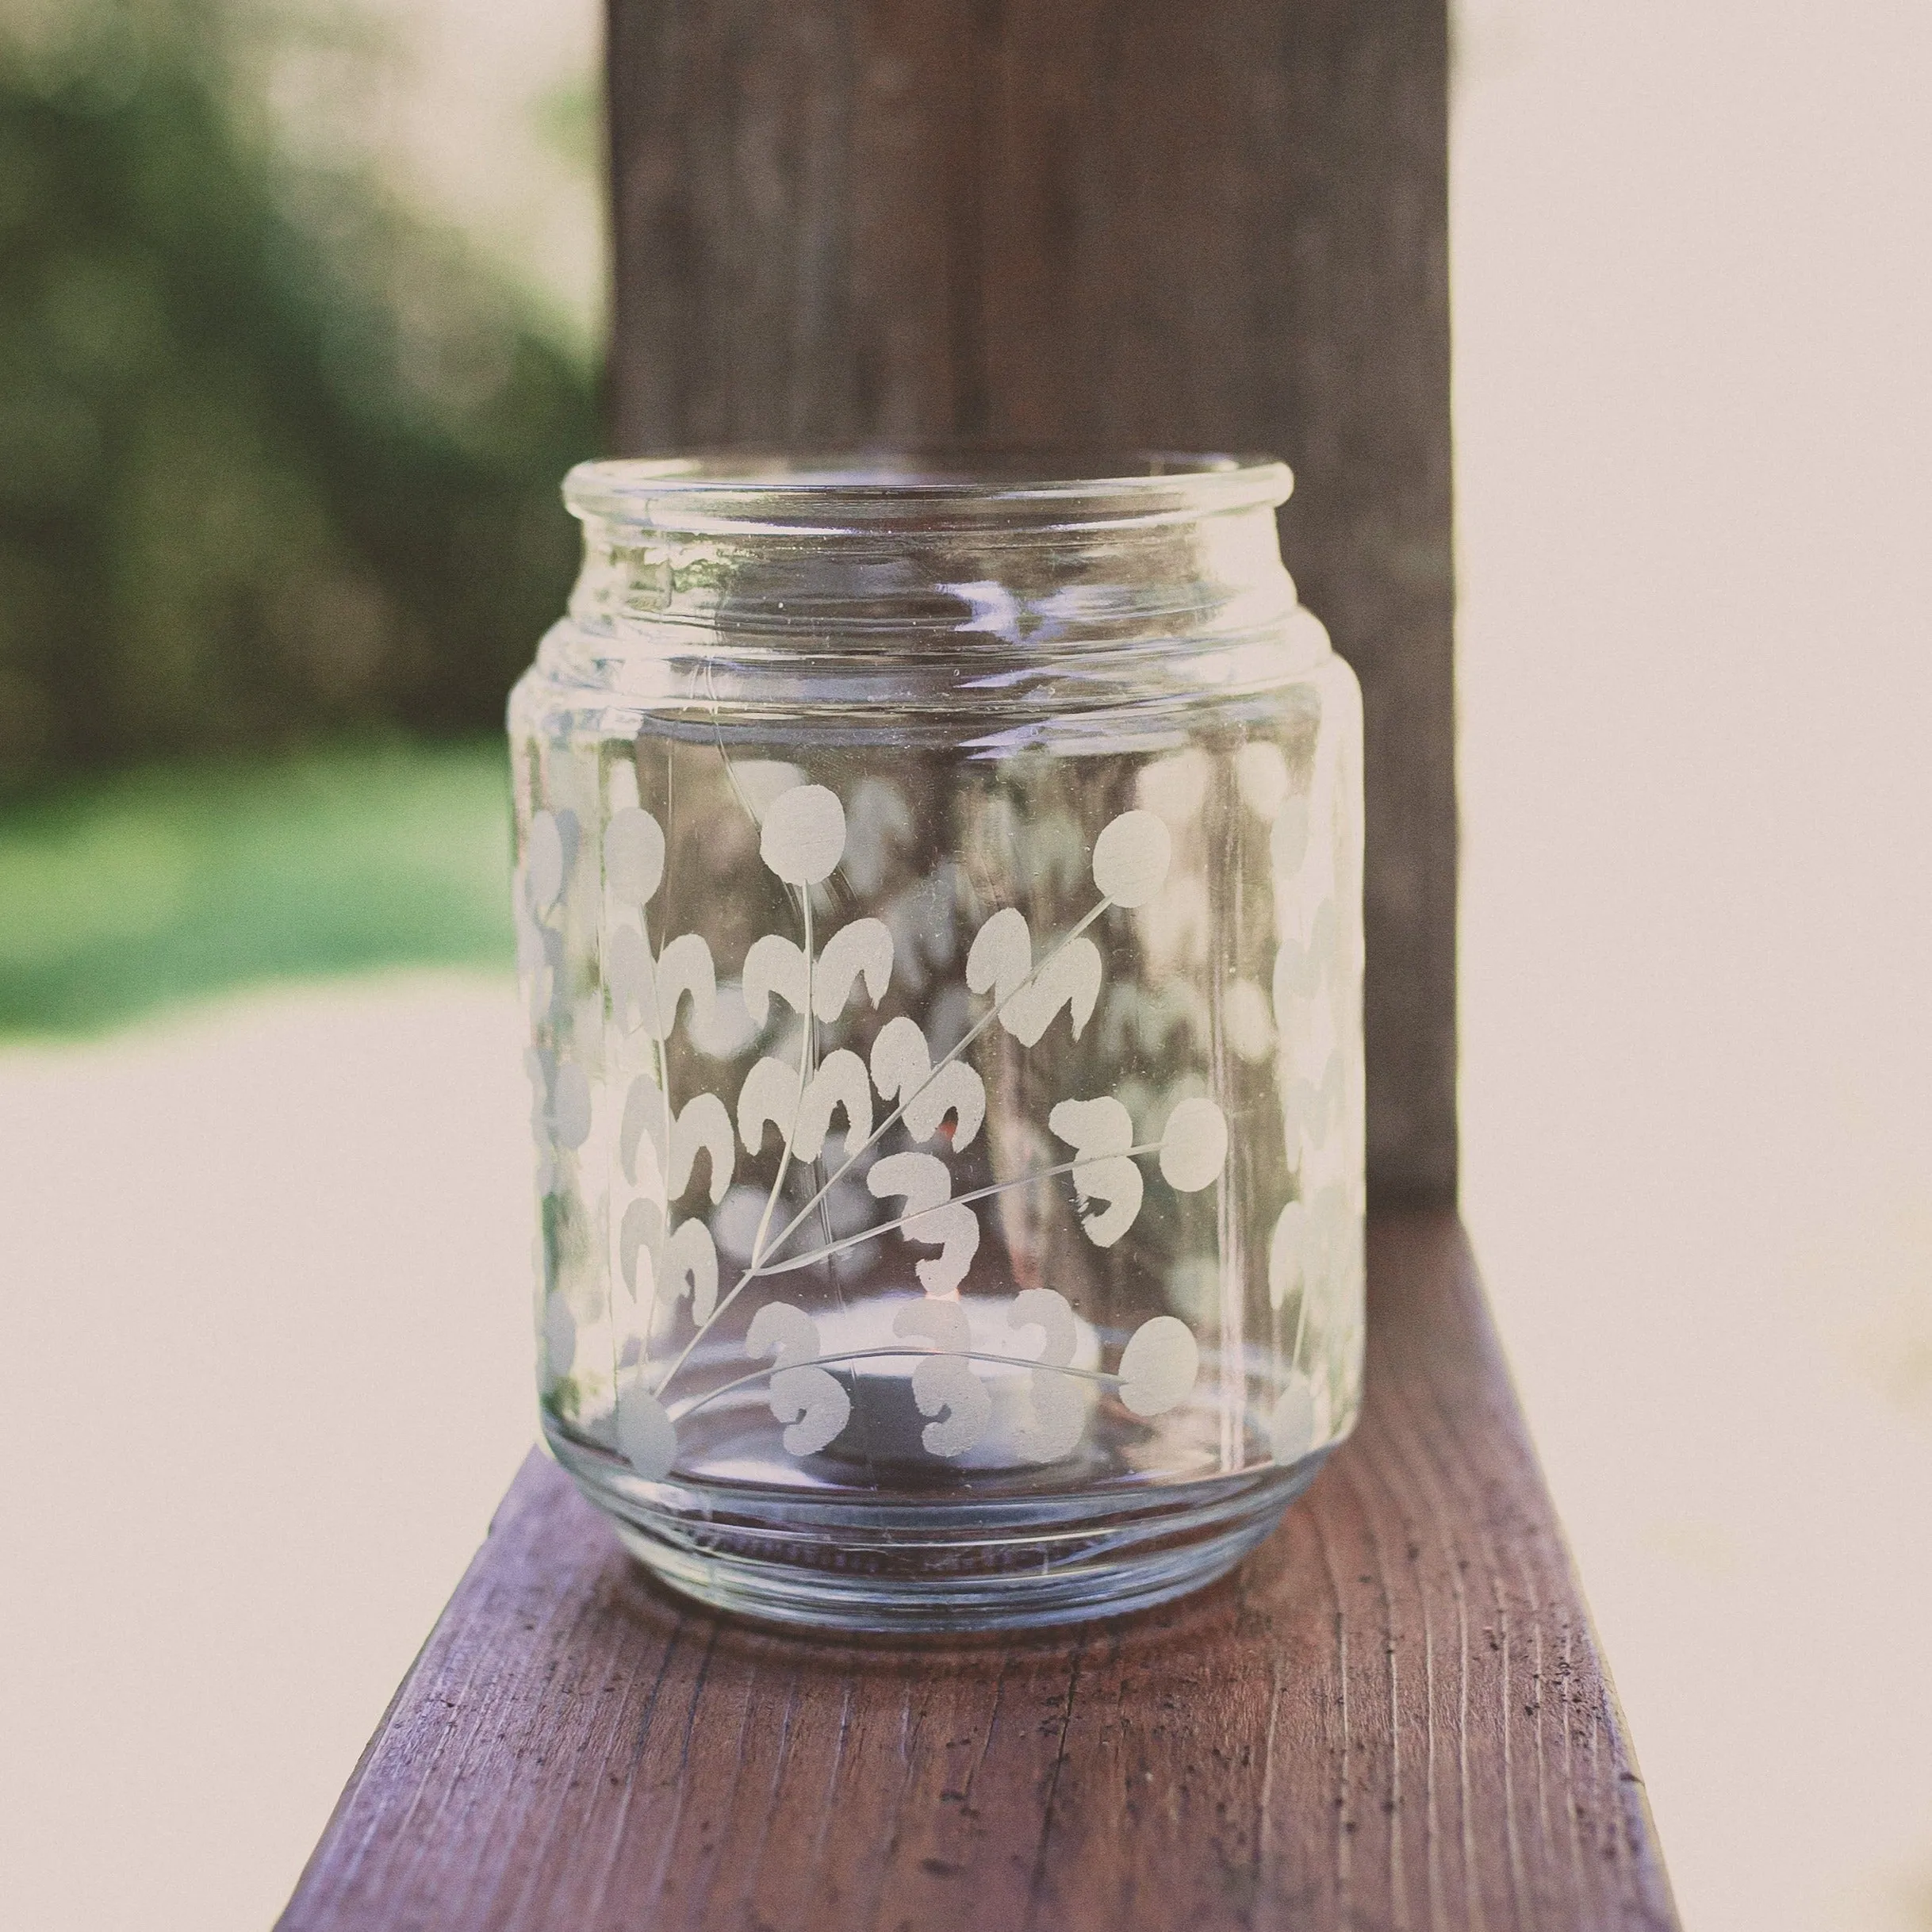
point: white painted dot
(1158, 1366)
(633, 855)
(646, 1434)
(804, 834)
(1131, 857)
(1193, 1145)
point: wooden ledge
(1393, 1714)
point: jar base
(1015, 1563)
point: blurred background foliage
(279, 457)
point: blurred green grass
(120, 895)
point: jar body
(947, 1098)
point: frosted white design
(638, 1134)
(633, 855)
(861, 950)
(1286, 1248)
(646, 1437)
(1291, 1424)
(1158, 1366)
(1000, 961)
(1131, 857)
(702, 1127)
(659, 1270)
(1057, 1404)
(943, 1383)
(774, 965)
(637, 1235)
(691, 1267)
(929, 1216)
(1193, 1146)
(769, 1099)
(1101, 1131)
(903, 1068)
(803, 836)
(1288, 836)
(1315, 1242)
(684, 971)
(841, 1085)
(811, 1400)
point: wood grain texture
(1393, 1715)
(1220, 225)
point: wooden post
(1218, 223)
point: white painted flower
(1131, 857)
(943, 1384)
(637, 1235)
(702, 1127)
(1058, 1403)
(1291, 1424)
(633, 855)
(646, 1438)
(1100, 1132)
(770, 1100)
(1001, 957)
(810, 1399)
(903, 1068)
(803, 836)
(691, 1268)
(1193, 1146)
(1158, 1366)
(862, 950)
(774, 965)
(684, 971)
(923, 1185)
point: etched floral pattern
(809, 1086)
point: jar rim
(1017, 490)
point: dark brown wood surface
(1219, 224)
(1393, 1715)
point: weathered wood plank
(1209, 226)
(1393, 1715)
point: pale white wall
(1693, 310)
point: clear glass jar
(939, 897)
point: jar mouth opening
(1018, 490)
